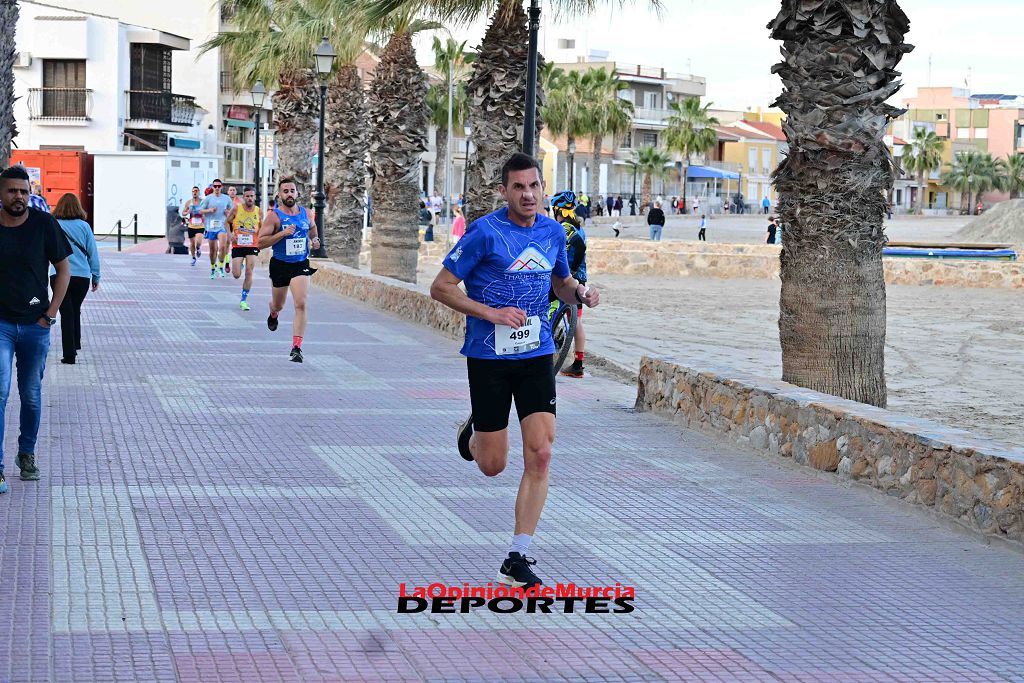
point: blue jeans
(656, 232)
(29, 344)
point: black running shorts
(242, 252)
(282, 272)
(494, 383)
(192, 232)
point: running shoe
(574, 370)
(227, 268)
(199, 253)
(222, 273)
(466, 431)
(296, 355)
(515, 571)
(271, 323)
(3, 483)
(244, 305)
(194, 261)
(213, 273)
(27, 465)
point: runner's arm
(269, 233)
(445, 288)
(568, 289)
(313, 235)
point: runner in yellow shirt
(244, 220)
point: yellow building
(758, 151)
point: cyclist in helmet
(564, 207)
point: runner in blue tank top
(509, 260)
(289, 230)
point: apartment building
(755, 154)
(986, 122)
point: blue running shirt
(503, 264)
(294, 249)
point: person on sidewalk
(30, 241)
(289, 230)
(766, 205)
(509, 259)
(459, 224)
(656, 221)
(214, 208)
(236, 201)
(702, 234)
(245, 244)
(85, 272)
(194, 220)
(772, 229)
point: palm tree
(649, 162)
(451, 62)
(1013, 179)
(497, 86)
(690, 131)
(8, 127)
(923, 157)
(566, 112)
(255, 52)
(975, 173)
(610, 115)
(398, 116)
(839, 68)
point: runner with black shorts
(509, 260)
(194, 224)
(289, 230)
(244, 219)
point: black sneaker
(3, 483)
(271, 323)
(574, 370)
(296, 355)
(515, 571)
(27, 465)
(466, 431)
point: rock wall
(975, 481)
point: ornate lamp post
(324, 56)
(572, 164)
(530, 123)
(259, 94)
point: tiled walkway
(210, 511)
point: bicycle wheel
(563, 327)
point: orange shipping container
(60, 171)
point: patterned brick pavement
(210, 511)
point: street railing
(161, 106)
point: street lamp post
(324, 56)
(632, 199)
(465, 167)
(530, 122)
(259, 94)
(572, 164)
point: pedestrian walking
(609, 203)
(37, 201)
(772, 229)
(656, 221)
(766, 205)
(618, 205)
(426, 220)
(702, 234)
(85, 273)
(459, 224)
(30, 241)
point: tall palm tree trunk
(296, 108)
(645, 193)
(8, 127)
(839, 69)
(686, 172)
(594, 177)
(398, 113)
(920, 193)
(440, 168)
(497, 95)
(347, 142)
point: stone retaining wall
(975, 481)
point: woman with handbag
(85, 268)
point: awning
(710, 172)
(240, 124)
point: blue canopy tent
(711, 173)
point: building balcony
(723, 166)
(159, 110)
(60, 104)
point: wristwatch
(49, 321)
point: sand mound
(1003, 223)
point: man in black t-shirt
(30, 241)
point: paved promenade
(210, 511)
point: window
(752, 160)
(766, 160)
(650, 139)
(566, 43)
(963, 133)
(651, 100)
(627, 140)
(941, 117)
(981, 133)
(151, 67)
(64, 93)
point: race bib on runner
(295, 246)
(245, 239)
(197, 220)
(216, 225)
(511, 341)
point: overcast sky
(727, 42)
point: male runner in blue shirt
(509, 260)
